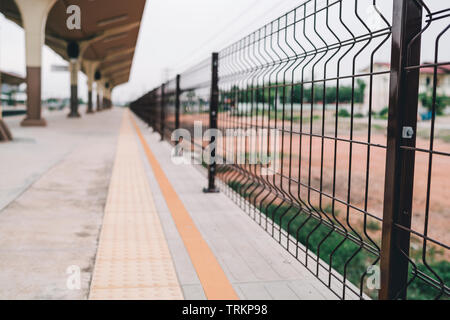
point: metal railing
(360, 187)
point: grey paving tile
(257, 266)
(193, 292)
(254, 291)
(281, 291)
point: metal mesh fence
(334, 139)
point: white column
(34, 17)
(105, 94)
(109, 98)
(99, 86)
(90, 67)
(74, 66)
(111, 88)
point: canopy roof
(11, 78)
(109, 32)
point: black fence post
(163, 113)
(400, 155)
(177, 103)
(153, 106)
(213, 111)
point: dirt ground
(316, 170)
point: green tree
(441, 102)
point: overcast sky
(174, 34)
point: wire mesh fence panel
(195, 86)
(333, 137)
(305, 76)
(170, 110)
(423, 152)
(145, 108)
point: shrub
(384, 114)
(374, 226)
(344, 114)
(441, 102)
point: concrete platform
(53, 197)
(34, 151)
(257, 267)
(133, 260)
(53, 191)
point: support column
(99, 107)
(34, 16)
(98, 85)
(400, 152)
(213, 111)
(110, 97)
(90, 68)
(105, 96)
(73, 51)
(105, 101)
(99, 96)
(5, 134)
(90, 105)
(74, 89)
(177, 102)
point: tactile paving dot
(137, 294)
(133, 260)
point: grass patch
(343, 255)
(444, 135)
(374, 225)
(331, 247)
(446, 138)
(383, 114)
(378, 127)
(419, 290)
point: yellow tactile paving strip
(212, 277)
(133, 259)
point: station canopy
(11, 78)
(109, 32)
